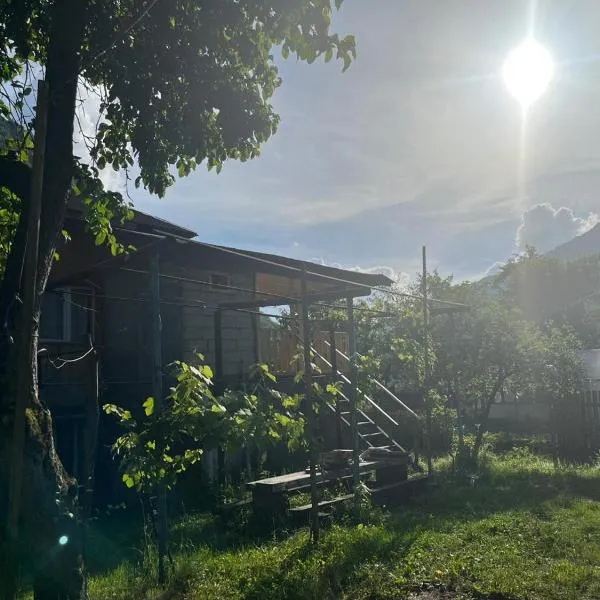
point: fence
(577, 426)
(279, 349)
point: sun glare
(528, 71)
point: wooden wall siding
(126, 352)
(290, 286)
(198, 328)
(67, 388)
(278, 348)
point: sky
(418, 143)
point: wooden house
(96, 342)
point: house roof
(277, 278)
(141, 221)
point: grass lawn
(522, 531)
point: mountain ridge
(586, 244)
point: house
(96, 342)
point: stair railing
(363, 394)
(382, 387)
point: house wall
(237, 328)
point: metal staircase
(375, 426)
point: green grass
(524, 531)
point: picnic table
(270, 496)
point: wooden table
(270, 496)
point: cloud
(545, 227)
(400, 278)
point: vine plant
(159, 445)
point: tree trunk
(48, 531)
(486, 414)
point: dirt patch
(433, 595)
(441, 594)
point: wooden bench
(323, 503)
(270, 496)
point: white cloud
(545, 227)
(400, 278)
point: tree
(182, 82)
(477, 354)
(548, 289)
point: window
(219, 281)
(65, 315)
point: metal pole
(218, 351)
(353, 397)
(90, 442)
(219, 389)
(306, 342)
(157, 391)
(457, 399)
(26, 351)
(334, 374)
(426, 364)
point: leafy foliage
(161, 444)
(489, 350)
(547, 289)
(101, 208)
(184, 81)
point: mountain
(587, 244)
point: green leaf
(100, 237)
(347, 62)
(207, 371)
(328, 54)
(128, 480)
(149, 406)
(285, 51)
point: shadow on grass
(347, 555)
(341, 560)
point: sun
(528, 71)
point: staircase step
(364, 423)
(368, 435)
